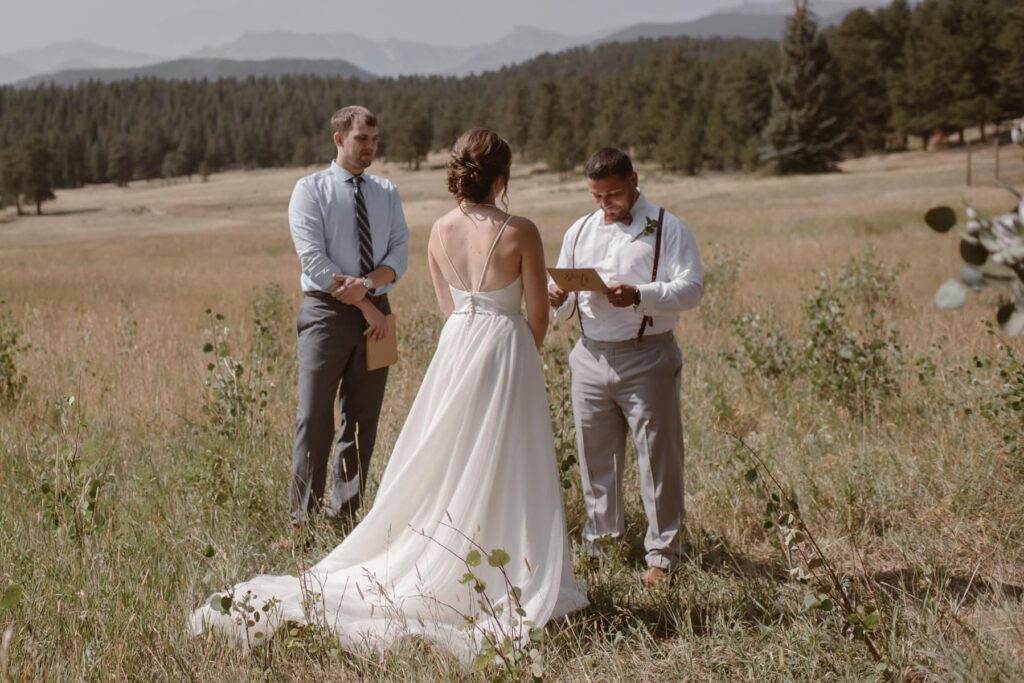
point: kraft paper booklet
(577, 279)
(384, 352)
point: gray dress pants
(620, 387)
(331, 350)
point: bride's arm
(535, 278)
(441, 291)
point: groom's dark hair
(608, 162)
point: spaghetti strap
(451, 263)
(490, 252)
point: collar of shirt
(638, 214)
(342, 172)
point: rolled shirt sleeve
(306, 223)
(397, 256)
(685, 284)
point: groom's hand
(349, 289)
(556, 296)
(621, 296)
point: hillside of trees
(927, 70)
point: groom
(351, 238)
(626, 366)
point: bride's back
(467, 235)
(478, 247)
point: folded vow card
(577, 279)
(382, 353)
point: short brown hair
(479, 157)
(608, 162)
(345, 118)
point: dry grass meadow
(119, 512)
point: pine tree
(740, 107)
(858, 44)
(150, 147)
(121, 161)
(39, 172)
(1011, 75)
(547, 118)
(921, 92)
(303, 154)
(13, 174)
(804, 133)
(973, 27)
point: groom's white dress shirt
(622, 254)
(321, 216)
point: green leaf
(225, 604)
(972, 277)
(11, 597)
(209, 551)
(220, 603)
(1011, 319)
(817, 601)
(975, 254)
(482, 660)
(498, 558)
(751, 475)
(951, 295)
(536, 634)
(872, 619)
(940, 218)
(473, 558)
(989, 242)
(466, 578)
(207, 347)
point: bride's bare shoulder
(522, 228)
(447, 219)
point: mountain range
(273, 53)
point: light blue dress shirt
(322, 219)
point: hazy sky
(176, 27)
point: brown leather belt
(324, 296)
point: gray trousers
(620, 387)
(331, 351)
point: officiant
(626, 366)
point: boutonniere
(650, 225)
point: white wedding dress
(474, 467)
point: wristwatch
(367, 283)
(636, 297)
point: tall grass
(123, 508)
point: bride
(466, 538)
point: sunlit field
(817, 357)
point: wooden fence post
(997, 157)
(969, 160)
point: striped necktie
(363, 228)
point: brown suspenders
(647, 320)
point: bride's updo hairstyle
(479, 157)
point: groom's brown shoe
(653, 576)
